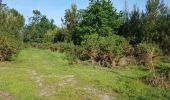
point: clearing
(44, 75)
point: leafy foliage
(132, 29)
(105, 50)
(49, 37)
(100, 17)
(11, 21)
(70, 21)
(38, 27)
(149, 26)
(11, 36)
(8, 47)
(62, 35)
(147, 53)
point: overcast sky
(54, 9)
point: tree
(163, 24)
(38, 27)
(157, 22)
(152, 9)
(36, 17)
(151, 26)
(11, 22)
(132, 28)
(100, 17)
(70, 21)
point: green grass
(44, 75)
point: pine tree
(70, 21)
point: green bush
(62, 35)
(105, 50)
(148, 53)
(62, 47)
(9, 46)
(49, 36)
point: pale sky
(54, 9)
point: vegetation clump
(11, 24)
(105, 50)
(148, 53)
(8, 47)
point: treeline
(98, 33)
(109, 38)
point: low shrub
(107, 51)
(147, 53)
(9, 46)
(62, 35)
(49, 36)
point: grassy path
(44, 75)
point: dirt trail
(49, 89)
(44, 89)
(5, 96)
(99, 94)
